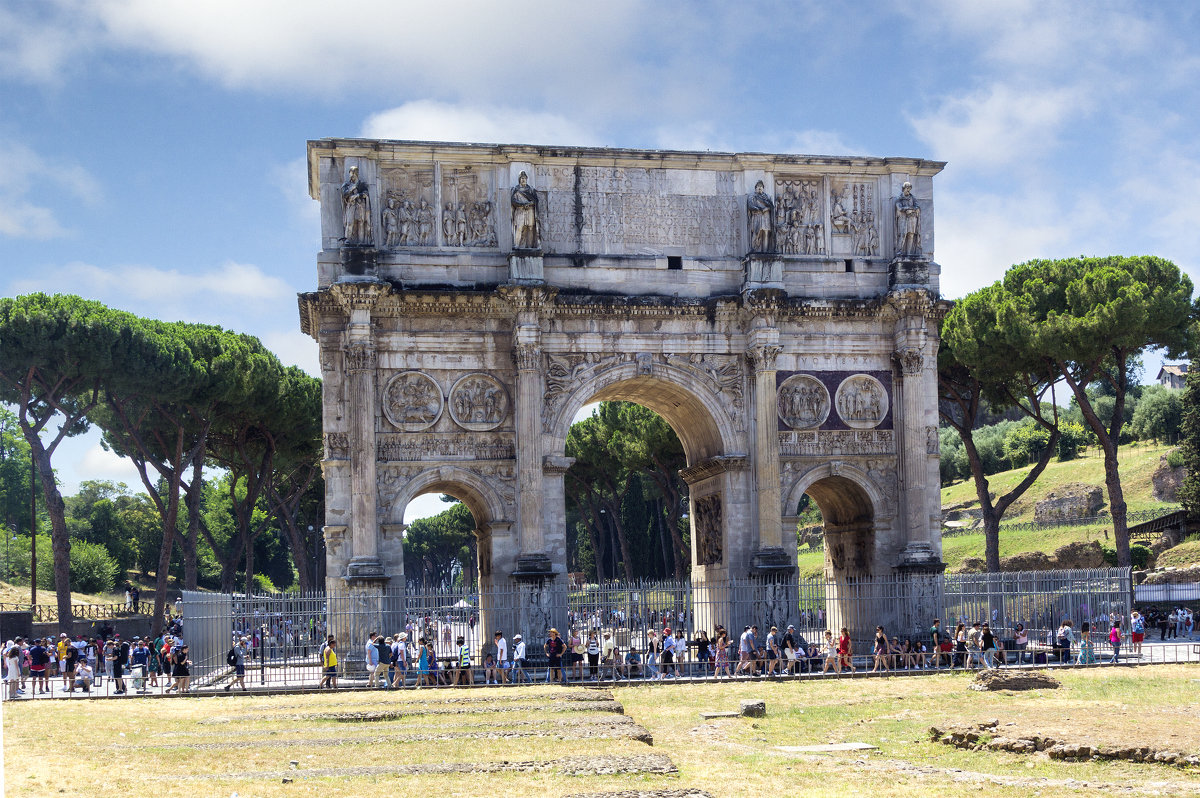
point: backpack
(231, 657)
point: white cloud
(39, 42)
(118, 285)
(27, 181)
(294, 348)
(999, 126)
(428, 120)
(94, 462)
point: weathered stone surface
(457, 362)
(1081, 554)
(983, 736)
(1166, 480)
(1069, 502)
(1014, 680)
(753, 709)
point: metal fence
(285, 632)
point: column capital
(527, 298)
(910, 359)
(763, 356)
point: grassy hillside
(1138, 463)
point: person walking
(1114, 639)
(239, 665)
(1137, 633)
(518, 659)
(845, 653)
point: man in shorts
(239, 665)
(329, 664)
(39, 658)
(518, 659)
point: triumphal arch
(779, 311)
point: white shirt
(501, 650)
(519, 650)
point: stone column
(533, 558)
(763, 350)
(358, 298)
(913, 448)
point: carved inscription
(799, 217)
(803, 402)
(627, 210)
(412, 401)
(819, 443)
(478, 402)
(392, 447)
(861, 401)
(708, 530)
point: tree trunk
(249, 566)
(169, 519)
(192, 499)
(1117, 506)
(60, 539)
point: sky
(152, 152)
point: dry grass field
(554, 742)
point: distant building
(1173, 375)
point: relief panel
(799, 217)
(409, 207)
(468, 212)
(854, 218)
(478, 402)
(412, 401)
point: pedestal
(358, 264)
(366, 606)
(908, 273)
(762, 271)
(526, 268)
(541, 603)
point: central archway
(713, 446)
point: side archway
(852, 506)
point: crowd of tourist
(422, 655)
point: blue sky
(152, 151)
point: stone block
(753, 709)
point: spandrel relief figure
(524, 215)
(908, 223)
(762, 212)
(803, 402)
(356, 210)
(862, 402)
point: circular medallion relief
(803, 402)
(861, 401)
(412, 401)
(478, 402)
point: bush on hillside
(92, 569)
(1139, 557)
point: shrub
(1139, 556)
(92, 569)
(1175, 458)
(263, 584)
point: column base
(365, 568)
(920, 558)
(771, 562)
(533, 566)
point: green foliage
(1189, 446)
(1139, 556)
(1158, 414)
(1025, 442)
(92, 569)
(1073, 436)
(263, 584)
(439, 547)
(1175, 458)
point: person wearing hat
(554, 651)
(791, 659)
(518, 659)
